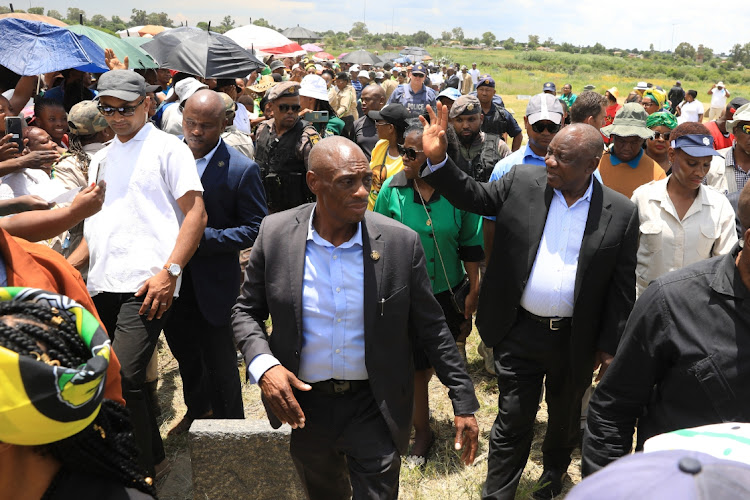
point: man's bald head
(373, 98)
(332, 153)
(206, 102)
(341, 178)
(374, 90)
(588, 138)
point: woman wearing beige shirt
(343, 97)
(681, 220)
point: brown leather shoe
(184, 425)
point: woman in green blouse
(449, 236)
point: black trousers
(206, 356)
(522, 359)
(345, 449)
(134, 339)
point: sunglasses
(550, 127)
(745, 129)
(408, 153)
(284, 108)
(124, 110)
(659, 135)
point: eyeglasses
(408, 153)
(649, 103)
(124, 110)
(660, 135)
(381, 124)
(285, 108)
(549, 127)
(745, 129)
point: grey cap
(122, 84)
(277, 64)
(544, 107)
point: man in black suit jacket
(199, 331)
(348, 293)
(565, 247)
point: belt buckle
(554, 324)
(341, 386)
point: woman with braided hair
(59, 438)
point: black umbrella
(165, 42)
(389, 56)
(298, 33)
(206, 54)
(362, 57)
(415, 51)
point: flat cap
(465, 105)
(284, 89)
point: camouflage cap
(285, 89)
(229, 105)
(85, 119)
(465, 105)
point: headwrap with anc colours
(41, 403)
(656, 95)
(662, 119)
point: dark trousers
(522, 359)
(345, 448)
(207, 358)
(134, 340)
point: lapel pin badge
(375, 255)
(221, 163)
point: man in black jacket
(559, 287)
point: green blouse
(458, 233)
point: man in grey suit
(559, 287)
(348, 293)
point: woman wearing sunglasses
(390, 124)
(682, 221)
(452, 241)
(662, 124)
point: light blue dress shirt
(550, 291)
(202, 163)
(333, 322)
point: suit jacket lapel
(373, 269)
(596, 225)
(219, 161)
(541, 198)
(297, 243)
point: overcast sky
(620, 24)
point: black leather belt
(333, 386)
(553, 324)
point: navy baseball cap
(696, 145)
(419, 68)
(486, 80)
(549, 87)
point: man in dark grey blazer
(560, 285)
(348, 293)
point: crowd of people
(372, 213)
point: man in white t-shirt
(474, 72)
(719, 94)
(150, 225)
(691, 109)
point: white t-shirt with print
(134, 234)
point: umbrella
(265, 41)
(131, 32)
(414, 51)
(33, 48)
(205, 54)
(162, 45)
(362, 57)
(137, 42)
(151, 29)
(343, 54)
(138, 59)
(389, 56)
(298, 33)
(34, 17)
(311, 47)
(323, 55)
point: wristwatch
(174, 270)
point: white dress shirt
(550, 290)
